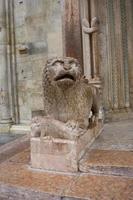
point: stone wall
(118, 73)
(110, 53)
(38, 33)
(31, 31)
(129, 8)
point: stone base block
(5, 128)
(59, 154)
(22, 129)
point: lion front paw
(36, 127)
(72, 124)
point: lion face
(63, 71)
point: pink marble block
(61, 154)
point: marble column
(5, 121)
(72, 29)
(87, 62)
(90, 38)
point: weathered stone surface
(116, 136)
(111, 153)
(38, 26)
(68, 101)
(72, 30)
(7, 137)
(54, 155)
(13, 193)
(31, 31)
(14, 147)
(58, 154)
(5, 114)
(18, 180)
(108, 162)
(61, 136)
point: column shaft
(4, 91)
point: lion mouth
(65, 77)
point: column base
(5, 125)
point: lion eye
(58, 63)
(73, 64)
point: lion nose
(67, 67)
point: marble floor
(8, 137)
(112, 151)
(106, 171)
(116, 136)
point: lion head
(62, 71)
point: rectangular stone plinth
(59, 154)
(56, 154)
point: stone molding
(11, 54)
(4, 79)
(117, 55)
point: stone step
(19, 181)
(13, 147)
(109, 162)
(20, 129)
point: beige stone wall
(118, 73)
(31, 31)
(129, 7)
(109, 52)
(38, 32)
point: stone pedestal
(59, 154)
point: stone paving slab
(8, 137)
(18, 181)
(18, 193)
(15, 172)
(108, 162)
(14, 147)
(112, 151)
(116, 136)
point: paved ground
(116, 136)
(8, 137)
(19, 181)
(112, 151)
(105, 170)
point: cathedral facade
(99, 33)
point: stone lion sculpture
(68, 101)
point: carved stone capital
(90, 29)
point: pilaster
(72, 29)
(6, 120)
(118, 73)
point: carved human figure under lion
(68, 101)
